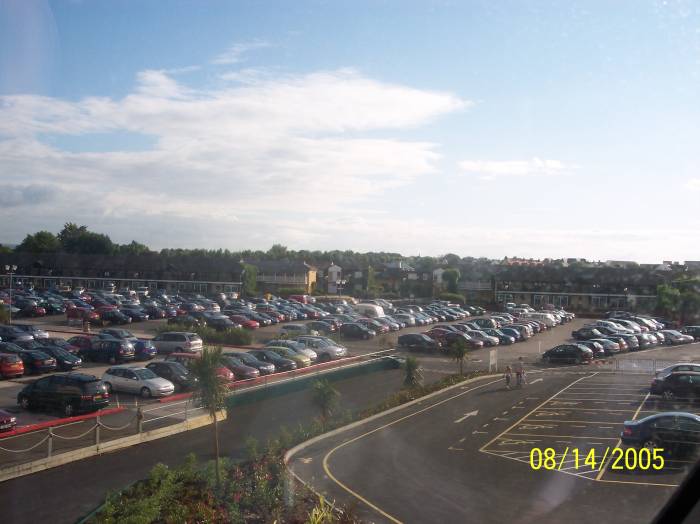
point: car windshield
(145, 374)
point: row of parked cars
(498, 328)
(620, 332)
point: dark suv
(109, 350)
(72, 393)
(567, 354)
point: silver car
(294, 346)
(325, 348)
(137, 380)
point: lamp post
(339, 285)
(11, 271)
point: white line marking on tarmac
(467, 415)
(537, 380)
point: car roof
(668, 414)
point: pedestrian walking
(508, 375)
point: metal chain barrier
(119, 428)
(92, 428)
(28, 449)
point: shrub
(232, 337)
(452, 297)
(284, 292)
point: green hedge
(452, 297)
(234, 337)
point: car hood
(158, 383)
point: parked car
(144, 350)
(502, 337)
(187, 321)
(678, 384)
(13, 334)
(8, 421)
(265, 368)
(294, 345)
(418, 341)
(681, 366)
(326, 328)
(671, 430)
(11, 366)
(488, 340)
(65, 361)
(355, 330)
(244, 321)
(281, 363)
(567, 354)
(512, 332)
(114, 316)
(240, 370)
(186, 359)
(72, 393)
(596, 347)
(118, 333)
(609, 346)
(174, 372)
(34, 361)
(693, 331)
(61, 343)
(294, 330)
(32, 330)
(300, 359)
(137, 380)
(178, 342)
(135, 314)
(674, 338)
(109, 350)
(325, 348)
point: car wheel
(546, 360)
(324, 358)
(365, 336)
(145, 393)
(24, 402)
(668, 395)
(108, 386)
(650, 444)
(112, 360)
(578, 361)
(68, 409)
(179, 350)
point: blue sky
(543, 129)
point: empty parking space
(581, 424)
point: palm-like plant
(325, 396)
(211, 391)
(458, 351)
(413, 373)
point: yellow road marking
(327, 470)
(589, 437)
(619, 440)
(482, 448)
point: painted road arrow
(536, 380)
(467, 415)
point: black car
(280, 363)
(265, 368)
(136, 315)
(418, 341)
(355, 330)
(108, 350)
(175, 373)
(693, 331)
(596, 347)
(12, 333)
(34, 361)
(679, 384)
(53, 307)
(114, 316)
(671, 430)
(65, 360)
(187, 321)
(586, 333)
(567, 354)
(72, 393)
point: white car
(137, 380)
(178, 342)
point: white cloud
(240, 163)
(490, 169)
(234, 54)
(693, 184)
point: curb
(358, 423)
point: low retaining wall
(105, 447)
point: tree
(451, 276)
(40, 242)
(4, 250)
(135, 248)
(210, 392)
(413, 373)
(458, 351)
(325, 397)
(668, 300)
(249, 279)
(277, 252)
(77, 239)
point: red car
(79, 313)
(11, 366)
(245, 322)
(222, 372)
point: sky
(525, 128)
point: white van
(369, 310)
(546, 318)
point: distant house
(329, 276)
(621, 263)
(276, 274)
(693, 265)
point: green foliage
(451, 276)
(4, 314)
(252, 448)
(325, 397)
(322, 514)
(250, 280)
(413, 373)
(458, 352)
(452, 297)
(40, 242)
(668, 300)
(4, 250)
(78, 239)
(277, 252)
(232, 337)
(284, 292)
(135, 248)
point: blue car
(144, 350)
(671, 430)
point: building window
(599, 302)
(538, 300)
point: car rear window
(10, 359)
(93, 386)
